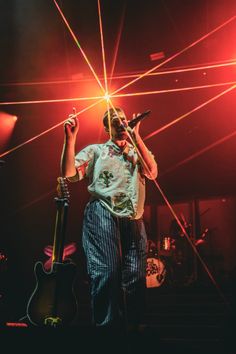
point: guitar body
(53, 299)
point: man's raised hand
(71, 126)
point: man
(114, 237)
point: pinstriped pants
(115, 250)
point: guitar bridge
(53, 321)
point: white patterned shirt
(115, 177)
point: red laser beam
(201, 67)
(200, 152)
(180, 70)
(143, 93)
(107, 97)
(109, 117)
(175, 55)
(174, 70)
(189, 240)
(188, 113)
(117, 44)
(46, 131)
(79, 46)
(102, 45)
(108, 101)
(59, 100)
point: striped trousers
(115, 250)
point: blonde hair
(111, 111)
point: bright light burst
(106, 95)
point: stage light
(46, 131)
(157, 56)
(7, 124)
(107, 97)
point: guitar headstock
(62, 188)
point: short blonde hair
(111, 111)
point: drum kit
(156, 269)
(170, 261)
(155, 272)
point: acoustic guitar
(53, 302)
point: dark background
(40, 61)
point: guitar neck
(60, 230)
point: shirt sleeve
(84, 161)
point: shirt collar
(116, 147)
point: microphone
(137, 119)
